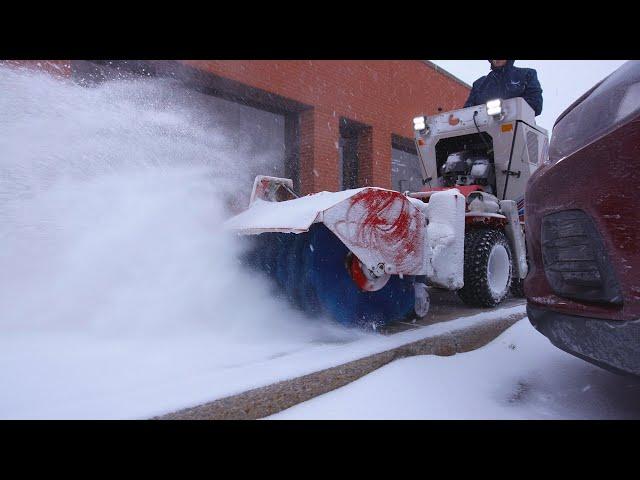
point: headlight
(419, 123)
(494, 107)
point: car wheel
(487, 267)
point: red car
(583, 227)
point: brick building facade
(344, 122)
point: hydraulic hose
(489, 149)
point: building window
(266, 140)
(257, 134)
(406, 173)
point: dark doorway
(406, 174)
(349, 152)
(348, 169)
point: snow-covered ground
(74, 375)
(519, 375)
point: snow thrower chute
(366, 255)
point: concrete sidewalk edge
(268, 400)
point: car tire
(487, 267)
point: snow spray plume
(111, 204)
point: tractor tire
(487, 267)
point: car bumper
(613, 345)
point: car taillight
(575, 260)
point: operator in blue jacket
(506, 81)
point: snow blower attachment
(367, 255)
(358, 255)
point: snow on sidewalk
(520, 375)
(76, 375)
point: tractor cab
(494, 146)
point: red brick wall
(383, 94)
(318, 153)
(59, 68)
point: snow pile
(116, 276)
(520, 375)
(445, 238)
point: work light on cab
(494, 108)
(419, 124)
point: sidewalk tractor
(366, 256)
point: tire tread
(478, 244)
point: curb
(265, 401)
